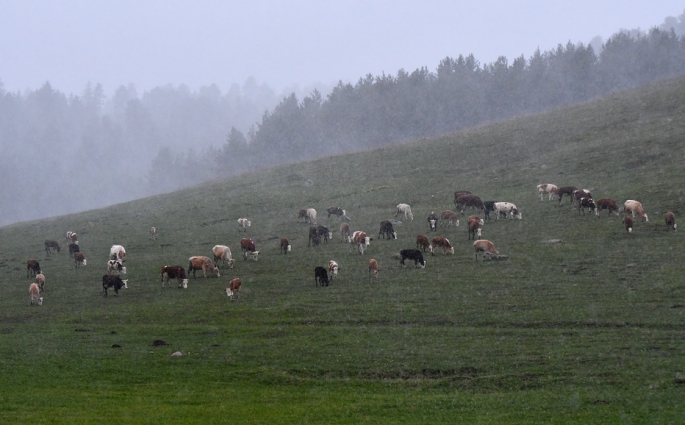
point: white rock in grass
(177, 354)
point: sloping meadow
(582, 322)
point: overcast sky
(281, 43)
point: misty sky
(281, 43)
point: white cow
(117, 252)
(508, 208)
(547, 189)
(404, 209)
(311, 215)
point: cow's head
(125, 282)
(83, 262)
(231, 262)
(184, 284)
(394, 235)
(432, 224)
(216, 271)
(288, 247)
(422, 263)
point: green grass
(587, 331)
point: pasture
(588, 330)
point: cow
(588, 203)
(247, 245)
(174, 272)
(362, 241)
(406, 210)
(223, 253)
(412, 254)
(443, 243)
(72, 237)
(449, 218)
(316, 233)
(243, 224)
(547, 189)
(320, 276)
(386, 230)
(345, 233)
(433, 221)
(34, 291)
(606, 204)
(579, 194)
(49, 245)
(203, 263)
(509, 209)
(117, 252)
(323, 231)
(566, 190)
(109, 281)
(285, 246)
(474, 225)
(153, 232)
(336, 211)
(489, 207)
(73, 248)
(374, 268)
(32, 266)
(40, 280)
(469, 201)
(233, 288)
(79, 259)
(302, 214)
(486, 247)
(115, 265)
(458, 193)
(422, 242)
(669, 218)
(634, 207)
(333, 269)
(311, 216)
(628, 223)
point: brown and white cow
(361, 240)
(284, 245)
(474, 225)
(234, 288)
(79, 259)
(333, 268)
(449, 218)
(34, 291)
(669, 218)
(635, 207)
(443, 243)
(566, 190)
(374, 268)
(345, 233)
(588, 203)
(486, 247)
(117, 252)
(203, 263)
(223, 253)
(115, 265)
(606, 204)
(72, 237)
(628, 223)
(32, 266)
(579, 194)
(174, 272)
(248, 247)
(547, 189)
(423, 243)
(40, 280)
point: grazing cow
(72, 237)
(174, 272)
(669, 218)
(458, 193)
(606, 204)
(634, 207)
(588, 203)
(50, 244)
(469, 201)
(443, 243)
(508, 209)
(233, 288)
(223, 253)
(117, 252)
(73, 248)
(422, 242)
(489, 207)
(579, 194)
(285, 245)
(302, 214)
(323, 231)
(486, 247)
(404, 209)
(40, 280)
(386, 230)
(153, 232)
(247, 245)
(474, 225)
(333, 269)
(244, 223)
(316, 233)
(336, 211)
(34, 291)
(374, 268)
(115, 265)
(449, 218)
(311, 216)
(547, 189)
(109, 281)
(628, 223)
(79, 259)
(433, 221)
(362, 241)
(566, 190)
(203, 263)
(412, 254)
(345, 233)
(32, 266)
(320, 276)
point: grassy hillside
(590, 330)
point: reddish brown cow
(32, 266)
(422, 242)
(174, 272)
(628, 223)
(79, 259)
(469, 201)
(566, 190)
(669, 218)
(233, 288)
(443, 243)
(486, 247)
(474, 224)
(248, 246)
(202, 263)
(449, 217)
(373, 268)
(285, 245)
(606, 204)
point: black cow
(386, 230)
(111, 281)
(433, 221)
(73, 248)
(316, 233)
(335, 211)
(489, 207)
(412, 254)
(320, 275)
(588, 203)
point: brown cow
(285, 245)
(33, 267)
(628, 223)
(474, 225)
(669, 217)
(422, 242)
(469, 201)
(79, 259)
(233, 288)
(443, 243)
(373, 268)
(248, 247)
(49, 245)
(566, 190)
(486, 247)
(606, 204)
(202, 263)
(174, 272)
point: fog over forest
(68, 153)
